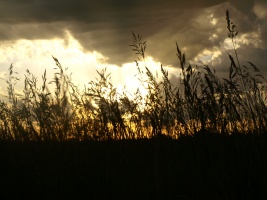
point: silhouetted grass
(69, 143)
(200, 102)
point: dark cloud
(105, 26)
(89, 11)
(31, 31)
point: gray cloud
(89, 11)
(106, 26)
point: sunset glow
(111, 99)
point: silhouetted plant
(200, 102)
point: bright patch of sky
(208, 56)
(36, 55)
(253, 38)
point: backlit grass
(200, 102)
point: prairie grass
(201, 102)
(49, 138)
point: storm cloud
(105, 26)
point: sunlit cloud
(207, 57)
(251, 38)
(36, 56)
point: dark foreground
(200, 167)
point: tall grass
(201, 102)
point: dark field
(203, 166)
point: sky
(87, 35)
